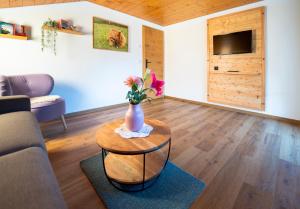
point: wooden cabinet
(238, 79)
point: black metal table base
(135, 187)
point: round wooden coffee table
(134, 164)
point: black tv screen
(233, 43)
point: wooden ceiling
(162, 12)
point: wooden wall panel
(167, 12)
(244, 86)
(23, 3)
(162, 12)
(240, 90)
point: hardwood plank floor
(246, 161)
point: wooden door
(153, 53)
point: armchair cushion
(32, 85)
(14, 103)
(41, 101)
(5, 88)
(46, 109)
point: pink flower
(133, 80)
(157, 84)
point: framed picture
(109, 35)
(6, 28)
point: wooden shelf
(14, 37)
(64, 30)
(128, 169)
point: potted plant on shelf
(48, 40)
(134, 118)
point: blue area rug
(175, 189)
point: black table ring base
(143, 185)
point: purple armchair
(38, 87)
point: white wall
(186, 54)
(90, 78)
(86, 77)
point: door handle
(233, 71)
(147, 62)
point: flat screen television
(233, 43)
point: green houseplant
(49, 34)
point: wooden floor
(245, 161)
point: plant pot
(134, 117)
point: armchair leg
(62, 117)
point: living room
(150, 104)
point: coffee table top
(113, 142)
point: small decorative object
(74, 28)
(68, 25)
(64, 24)
(125, 133)
(20, 30)
(134, 118)
(7, 28)
(109, 35)
(48, 40)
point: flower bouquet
(134, 118)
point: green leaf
(134, 87)
(143, 96)
(128, 95)
(147, 73)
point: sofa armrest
(14, 104)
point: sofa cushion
(5, 88)
(19, 130)
(28, 181)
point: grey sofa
(27, 180)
